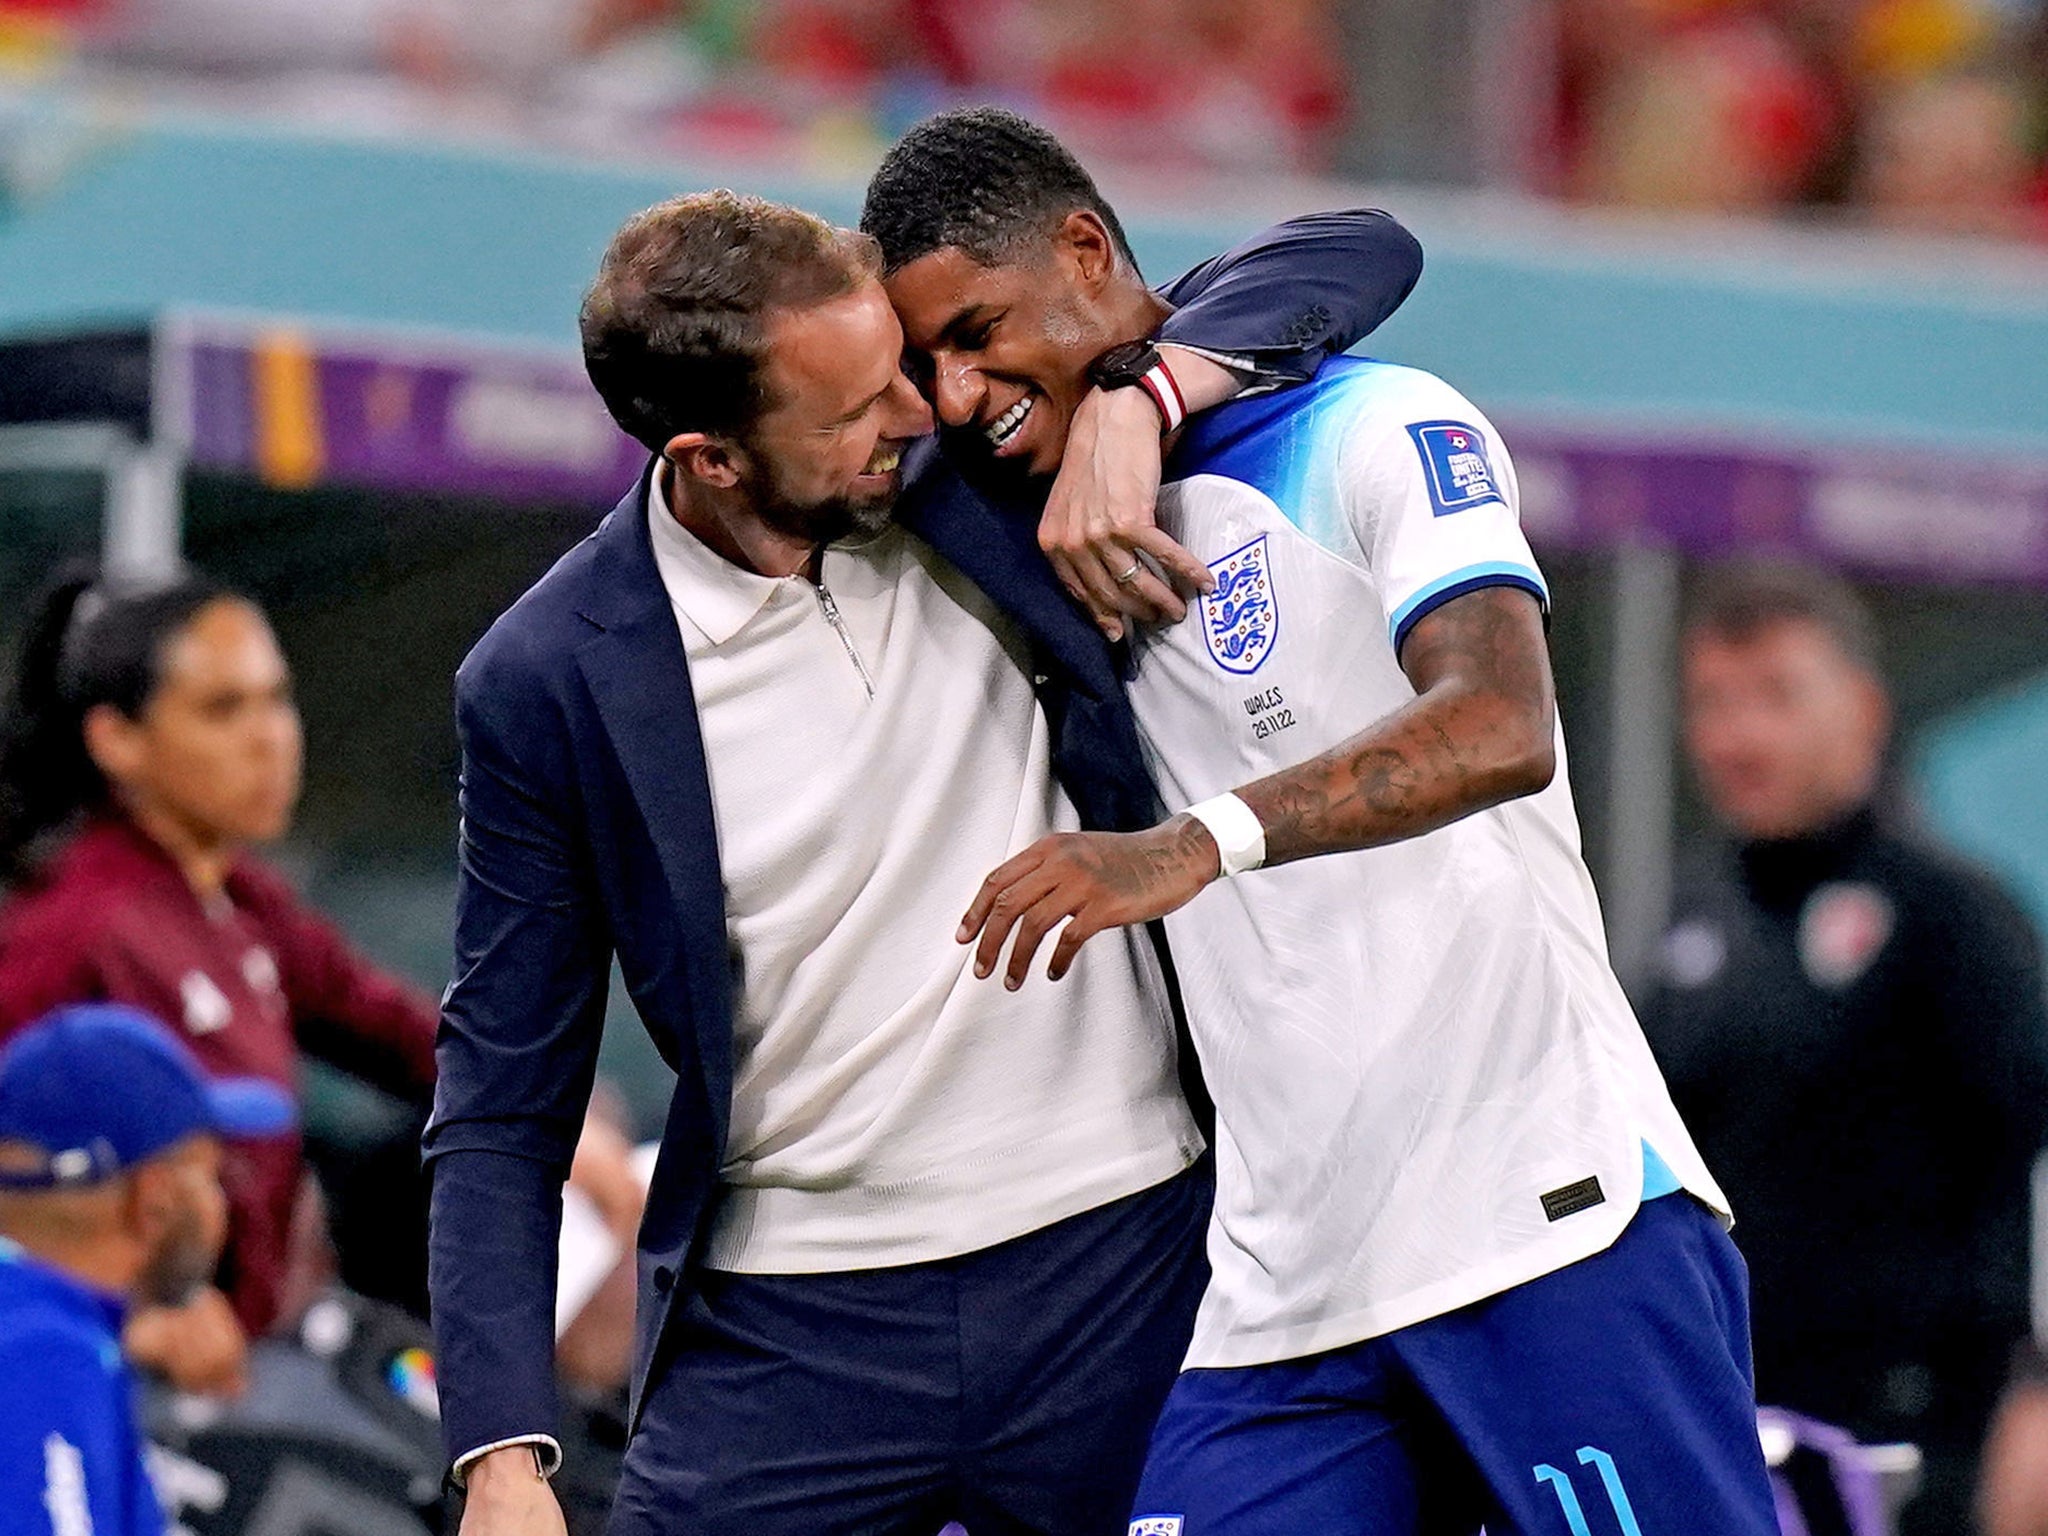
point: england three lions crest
(1241, 618)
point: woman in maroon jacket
(152, 742)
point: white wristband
(1240, 838)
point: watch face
(1123, 365)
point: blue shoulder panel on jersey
(1269, 441)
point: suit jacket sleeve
(1296, 293)
(520, 1028)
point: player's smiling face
(1002, 352)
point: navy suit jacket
(588, 833)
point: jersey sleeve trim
(1471, 578)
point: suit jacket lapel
(640, 679)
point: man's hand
(196, 1347)
(1102, 514)
(507, 1496)
(1103, 510)
(1091, 881)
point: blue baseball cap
(96, 1088)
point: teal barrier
(1978, 775)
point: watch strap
(1138, 364)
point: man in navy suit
(915, 1249)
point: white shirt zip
(831, 611)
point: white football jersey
(1429, 1085)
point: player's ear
(1083, 241)
(698, 456)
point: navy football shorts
(1610, 1398)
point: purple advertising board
(403, 414)
(1917, 514)
(296, 410)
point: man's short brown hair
(1738, 602)
(675, 327)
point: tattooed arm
(1478, 732)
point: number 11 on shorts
(1568, 1496)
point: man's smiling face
(825, 456)
(1002, 352)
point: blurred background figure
(1703, 105)
(151, 743)
(110, 1153)
(1852, 1022)
(436, 43)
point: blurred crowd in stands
(1182, 82)
(1925, 114)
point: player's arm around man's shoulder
(1266, 313)
(519, 1034)
(1296, 292)
(1466, 611)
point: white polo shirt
(871, 760)
(1429, 1085)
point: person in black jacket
(1852, 1023)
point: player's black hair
(981, 179)
(1739, 601)
(92, 640)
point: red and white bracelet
(1158, 382)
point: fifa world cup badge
(1157, 1525)
(1455, 465)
